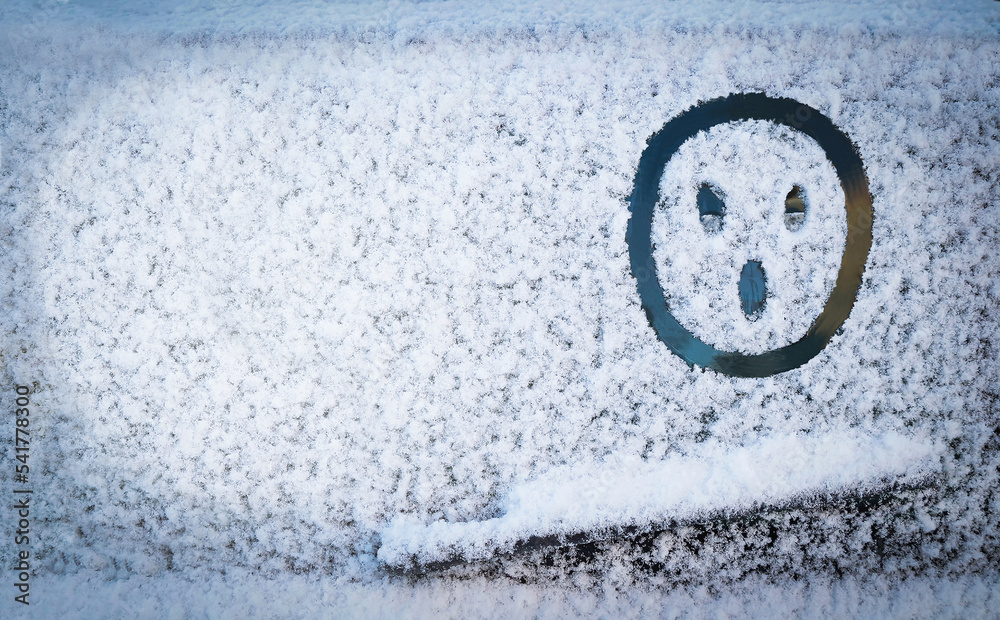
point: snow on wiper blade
(609, 496)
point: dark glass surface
(753, 289)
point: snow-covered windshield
(328, 308)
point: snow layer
(283, 276)
(637, 493)
(752, 167)
(244, 595)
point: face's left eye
(795, 209)
(711, 208)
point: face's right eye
(795, 209)
(711, 208)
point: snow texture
(567, 501)
(301, 287)
(752, 167)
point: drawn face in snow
(758, 211)
(750, 228)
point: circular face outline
(846, 161)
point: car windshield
(462, 309)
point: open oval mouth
(753, 289)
